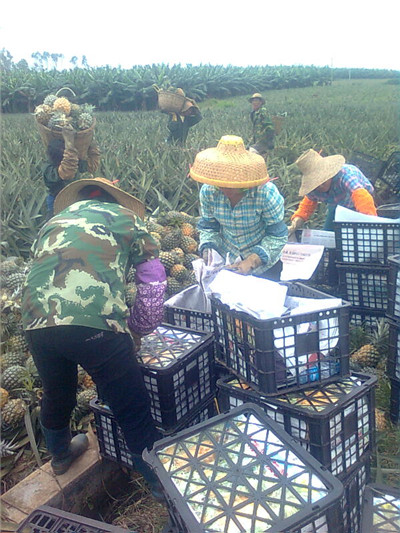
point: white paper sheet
(342, 214)
(319, 237)
(300, 260)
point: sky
(349, 34)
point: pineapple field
(344, 117)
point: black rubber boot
(149, 476)
(63, 449)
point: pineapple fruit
(179, 243)
(13, 412)
(373, 352)
(57, 112)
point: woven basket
(83, 139)
(170, 102)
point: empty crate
(47, 519)
(394, 287)
(333, 421)
(241, 472)
(178, 370)
(364, 286)
(286, 352)
(366, 242)
(381, 509)
(112, 443)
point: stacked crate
(178, 370)
(393, 317)
(46, 519)
(240, 471)
(381, 509)
(296, 368)
(363, 249)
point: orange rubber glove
(306, 209)
(246, 266)
(363, 202)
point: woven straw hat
(257, 95)
(229, 165)
(317, 170)
(70, 195)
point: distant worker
(180, 123)
(64, 165)
(330, 180)
(263, 128)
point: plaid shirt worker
(344, 183)
(254, 225)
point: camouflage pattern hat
(70, 195)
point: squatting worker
(63, 164)
(263, 140)
(74, 312)
(241, 210)
(330, 180)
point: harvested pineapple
(374, 351)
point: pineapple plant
(12, 414)
(374, 350)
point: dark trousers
(108, 358)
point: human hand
(297, 223)
(137, 341)
(68, 134)
(246, 266)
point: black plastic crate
(288, 352)
(241, 472)
(364, 286)
(395, 401)
(47, 519)
(354, 488)
(381, 509)
(390, 174)
(369, 165)
(188, 318)
(333, 421)
(393, 364)
(366, 242)
(394, 287)
(178, 370)
(364, 317)
(112, 443)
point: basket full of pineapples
(57, 112)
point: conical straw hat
(317, 170)
(229, 165)
(70, 195)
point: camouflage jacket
(263, 130)
(81, 258)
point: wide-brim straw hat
(70, 195)
(229, 165)
(257, 95)
(316, 169)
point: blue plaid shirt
(344, 183)
(254, 225)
